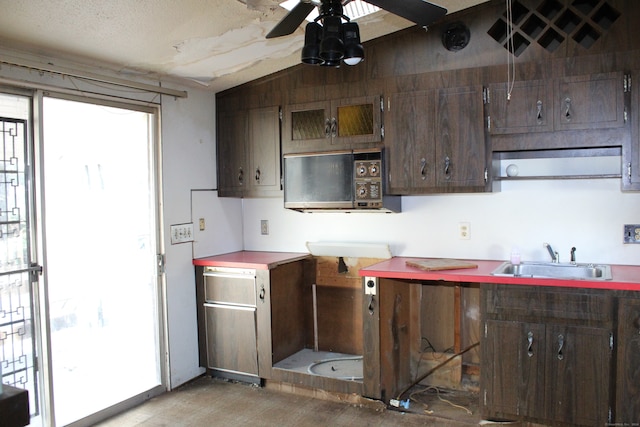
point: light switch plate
(181, 233)
(631, 233)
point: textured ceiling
(213, 44)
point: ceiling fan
(334, 41)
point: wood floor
(214, 402)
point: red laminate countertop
(250, 259)
(624, 277)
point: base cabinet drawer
(231, 338)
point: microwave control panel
(368, 182)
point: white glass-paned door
(100, 255)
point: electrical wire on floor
(427, 410)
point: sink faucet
(573, 255)
(554, 255)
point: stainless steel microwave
(346, 180)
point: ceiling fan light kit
(334, 41)
(328, 41)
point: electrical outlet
(201, 223)
(181, 233)
(464, 231)
(631, 233)
(264, 227)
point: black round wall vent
(456, 37)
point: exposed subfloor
(210, 401)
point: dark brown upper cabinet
(631, 153)
(331, 125)
(249, 153)
(593, 101)
(526, 106)
(435, 141)
(410, 143)
(231, 153)
(461, 149)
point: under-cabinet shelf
(543, 177)
(587, 163)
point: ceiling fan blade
(292, 20)
(418, 11)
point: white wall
(189, 175)
(587, 214)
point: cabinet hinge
(486, 175)
(382, 103)
(627, 83)
(382, 131)
(486, 95)
(160, 263)
(485, 329)
(489, 123)
(280, 114)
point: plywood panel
(437, 320)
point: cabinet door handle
(327, 128)
(447, 168)
(423, 167)
(371, 305)
(334, 127)
(560, 347)
(530, 346)
(258, 174)
(261, 296)
(240, 175)
(567, 109)
(539, 112)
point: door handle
(423, 167)
(567, 109)
(560, 346)
(447, 168)
(539, 113)
(530, 346)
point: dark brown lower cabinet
(628, 373)
(546, 357)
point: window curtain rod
(50, 68)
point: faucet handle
(573, 255)
(554, 255)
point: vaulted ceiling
(212, 44)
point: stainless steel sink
(554, 270)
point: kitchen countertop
(250, 259)
(624, 277)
